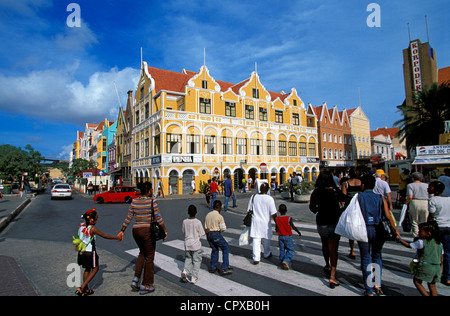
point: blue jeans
(287, 249)
(227, 198)
(216, 242)
(213, 198)
(371, 263)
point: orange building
(334, 132)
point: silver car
(61, 190)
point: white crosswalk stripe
(305, 277)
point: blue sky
(54, 79)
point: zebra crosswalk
(305, 278)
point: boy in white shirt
(193, 230)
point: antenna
(204, 56)
(359, 95)
(409, 32)
(141, 56)
(426, 22)
(117, 94)
(204, 63)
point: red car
(118, 194)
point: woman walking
(373, 208)
(417, 199)
(325, 202)
(142, 209)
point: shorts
(88, 259)
(327, 231)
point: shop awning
(432, 160)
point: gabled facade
(360, 125)
(189, 125)
(334, 132)
(127, 141)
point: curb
(5, 221)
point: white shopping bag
(402, 214)
(351, 223)
(244, 239)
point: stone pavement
(13, 281)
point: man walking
(229, 192)
(214, 226)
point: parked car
(118, 194)
(61, 190)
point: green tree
(423, 122)
(15, 160)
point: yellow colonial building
(189, 125)
(360, 125)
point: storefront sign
(182, 159)
(417, 73)
(433, 150)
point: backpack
(80, 245)
(371, 207)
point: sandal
(333, 284)
(79, 292)
(88, 292)
(378, 291)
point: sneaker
(184, 277)
(225, 272)
(144, 290)
(284, 265)
(193, 280)
(135, 284)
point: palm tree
(423, 122)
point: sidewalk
(13, 281)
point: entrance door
(187, 180)
(238, 176)
(173, 182)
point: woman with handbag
(145, 210)
(325, 202)
(374, 209)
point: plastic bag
(244, 239)
(351, 223)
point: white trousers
(257, 248)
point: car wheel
(128, 199)
(100, 200)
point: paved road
(39, 242)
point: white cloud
(65, 153)
(56, 96)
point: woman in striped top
(142, 209)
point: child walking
(88, 259)
(426, 265)
(284, 226)
(193, 230)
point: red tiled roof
(169, 80)
(393, 131)
(444, 75)
(177, 81)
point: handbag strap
(153, 213)
(253, 198)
